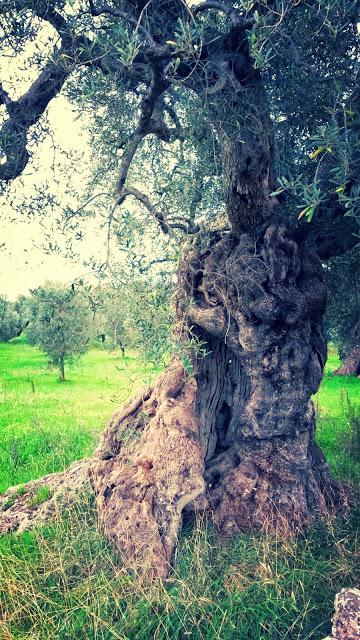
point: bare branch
(25, 112)
(4, 96)
(117, 13)
(147, 123)
(230, 11)
(157, 261)
(127, 159)
(158, 215)
(184, 224)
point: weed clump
(42, 495)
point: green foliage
(342, 319)
(308, 58)
(9, 320)
(151, 320)
(352, 437)
(61, 325)
(134, 312)
(128, 45)
(188, 38)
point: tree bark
(346, 619)
(62, 369)
(234, 437)
(228, 428)
(351, 364)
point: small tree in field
(24, 308)
(61, 325)
(136, 314)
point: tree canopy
(166, 84)
(9, 320)
(343, 309)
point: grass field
(46, 424)
(65, 581)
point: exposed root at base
(33, 504)
(153, 469)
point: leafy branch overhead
(171, 62)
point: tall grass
(65, 582)
(338, 418)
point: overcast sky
(23, 264)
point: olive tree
(61, 325)
(256, 105)
(343, 309)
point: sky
(23, 264)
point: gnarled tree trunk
(351, 364)
(235, 438)
(232, 435)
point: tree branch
(4, 96)
(158, 215)
(230, 11)
(157, 261)
(27, 110)
(185, 225)
(117, 13)
(146, 124)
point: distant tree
(25, 310)
(9, 320)
(62, 324)
(15, 316)
(115, 311)
(133, 311)
(343, 309)
(148, 327)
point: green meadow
(65, 581)
(47, 424)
